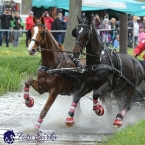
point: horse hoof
(117, 123)
(100, 111)
(69, 122)
(31, 102)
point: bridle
(44, 32)
(89, 34)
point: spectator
(6, 18)
(140, 22)
(133, 32)
(29, 25)
(17, 24)
(64, 26)
(141, 35)
(139, 49)
(97, 23)
(116, 42)
(135, 29)
(56, 25)
(114, 32)
(48, 20)
(105, 34)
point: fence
(99, 30)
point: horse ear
(79, 20)
(42, 20)
(34, 20)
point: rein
(39, 48)
(68, 52)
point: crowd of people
(7, 22)
(108, 30)
(58, 23)
(110, 36)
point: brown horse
(51, 77)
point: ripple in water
(88, 126)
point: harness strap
(109, 68)
(119, 61)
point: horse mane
(39, 22)
(61, 46)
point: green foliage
(9, 80)
(131, 135)
(16, 65)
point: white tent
(18, 1)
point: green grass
(16, 65)
(131, 135)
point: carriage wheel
(31, 102)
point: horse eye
(41, 32)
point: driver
(139, 49)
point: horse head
(38, 33)
(83, 34)
(86, 37)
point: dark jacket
(57, 25)
(130, 24)
(5, 21)
(115, 30)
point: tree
(123, 33)
(74, 11)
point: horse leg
(99, 110)
(50, 100)
(78, 109)
(69, 120)
(29, 101)
(127, 107)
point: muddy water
(88, 128)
